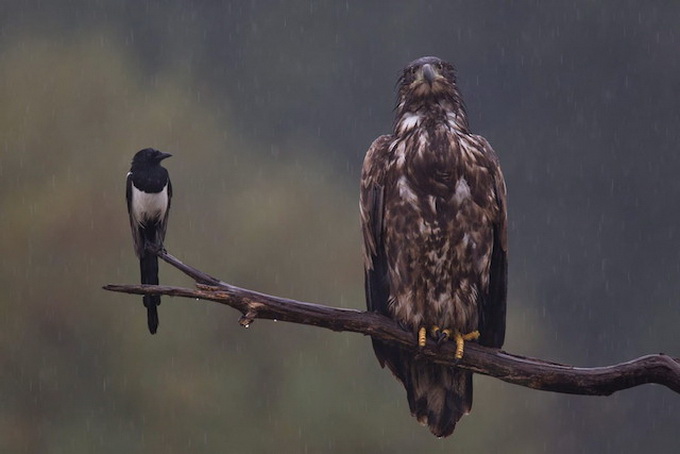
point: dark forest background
(268, 108)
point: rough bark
(530, 372)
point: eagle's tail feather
(438, 396)
(441, 402)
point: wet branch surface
(530, 372)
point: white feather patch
(405, 191)
(433, 203)
(462, 190)
(149, 206)
(409, 121)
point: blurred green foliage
(267, 110)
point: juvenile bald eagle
(433, 215)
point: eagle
(434, 224)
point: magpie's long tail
(149, 267)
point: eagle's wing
(493, 306)
(371, 207)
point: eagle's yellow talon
(471, 336)
(422, 336)
(444, 334)
(441, 335)
(460, 342)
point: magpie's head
(149, 157)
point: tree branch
(533, 373)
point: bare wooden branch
(533, 373)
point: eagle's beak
(429, 73)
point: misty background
(268, 109)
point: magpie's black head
(148, 157)
(427, 77)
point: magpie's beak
(162, 155)
(429, 74)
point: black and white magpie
(148, 194)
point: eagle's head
(427, 77)
(427, 89)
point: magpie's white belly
(149, 206)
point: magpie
(148, 193)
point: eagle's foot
(460, 341)
(422, 336)
(440, 335)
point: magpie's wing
(164, 221)
(134, 225)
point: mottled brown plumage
(433, 216)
